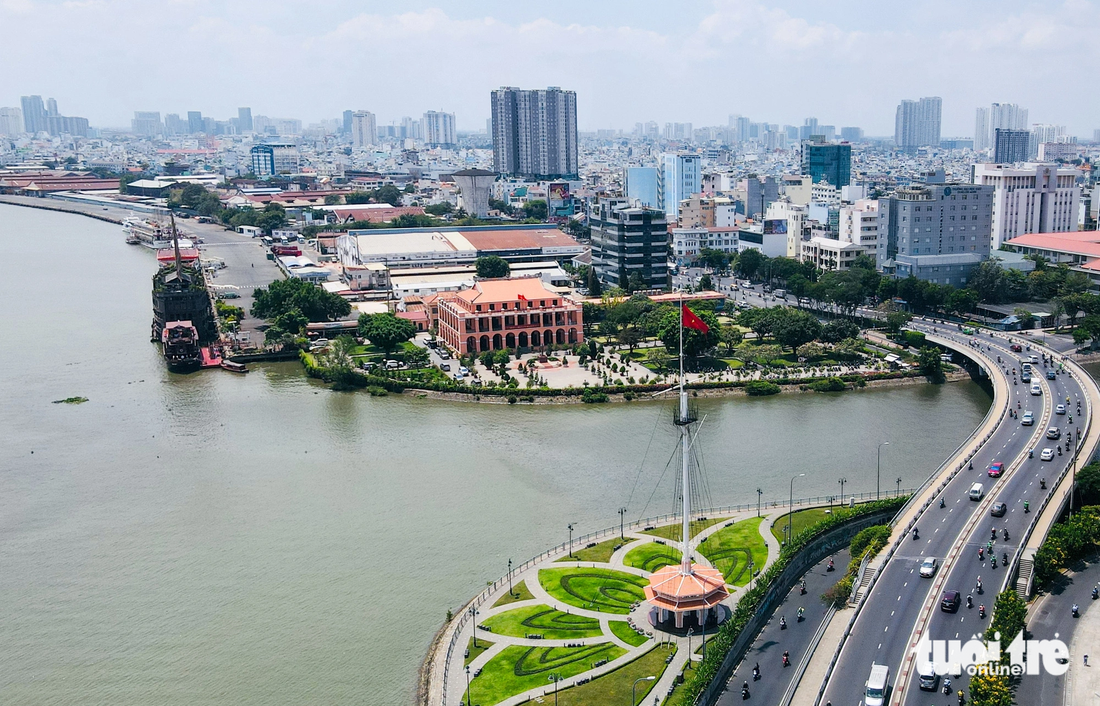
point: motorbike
(782, 623)
(1059, 450)
(801, 614)
(946, 685)
(942, 503)
(1043, 483)
(916, 534)
(962, 699)
(830, 567)
(978, 586)
(756, 673)
(1076, 611)
(1004, 559)
(972, 465)
(786, 659)
(969, 601)
(1027, 508)
(993, 533)
(981, 553)
(744, 693)
(1031, 453)
(981, 610)
(992, 562)
(1095, 593)
(1004, 533)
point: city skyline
(649, 44)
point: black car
(998, 509)
(1050, 374)
(949, 602)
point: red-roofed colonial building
(516, 313)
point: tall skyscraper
(146, 123)
(629, 245)
(347, 121)
(173, 125)
(917, 123)
(681, 177)
(1010, 146)
(535, 133)
(1007, 116)
(981, 130)
(244, 119)
(641, 184)
(11, 121)
(34, 114)
(826, 162)
(438, 128)
(1030, 198)
(51, 108)
(364, 130)
(195, 122)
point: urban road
(884, 630)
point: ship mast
(683, 421)
(176, 245)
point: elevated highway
(898, 606)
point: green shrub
(590, 396)
(829, 384)
(376, 391)
(512, 399)
(761, 388)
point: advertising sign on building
(775, 226)
(559, 200)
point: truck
(286, 250)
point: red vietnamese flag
(521, 297)
(693, 321)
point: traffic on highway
(973, 529)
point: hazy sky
(843, 61)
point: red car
(1016, 347)
(996, 469)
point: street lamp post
(510, 577)
(878, 471)
(897, 491)
(622, 533)
(554, 678)
(752, 572)
(468, 685)
(570, 525)
(759, 493)
(632, 695)
(691, 631)
(842, 481)
(473, 614)
(790, 508)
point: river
(259, 539)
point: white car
(928, 567)
(1060, 409)
(1028, 419)
(1047, 455)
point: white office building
(1029, 198)
(681, 177)
(859, 224)
(828, 254)
(687, 243)
(981, 130)
(789, 219)
(364, 129)
(11, 121)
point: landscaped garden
(520, 592)
(550, 623)
(799, 520)
(473, 651)
(627, 634)
(675, 531)
(603, 590)
(600, 553)
(730, 550)
(652, 556)
(615, 687)
(517, 669)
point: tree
(731, 337)
(273, 216)
(1025, 316)
(961, 301)
(705, 283)
(658, 358)
(990, 689)
(385, 330)
(896, 319)
(1088, 484)
(839, 329)
(387, 194)
(635, 282)
(443, 208)
(1074, 304)
(931, 365)
(285, 327)
(492, 266)
(312, 302)
(715, 259)
(696, 342)
(595, 289)
(536, 209)
(750, 262)
(1009, 617)
(792, 327)
(629, 337)
(759, 321)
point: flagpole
(685, 481)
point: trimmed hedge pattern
(751, 601)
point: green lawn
(600, 553)
(615, 687)
(604, 590)
(675, 532)
(800, 520)
(543, 620)
(472, 652)
(626, 633)
(519, 593)
(517, 669)
(730, 549)
(652, 556)
(677, 691)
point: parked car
(445, 367)
(928, 567)
(1047, 455)
(998, 509)
(229, 295)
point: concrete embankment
(64, 207)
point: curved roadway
(887, 624)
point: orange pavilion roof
(672, 589)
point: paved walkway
(638, 616)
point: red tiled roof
(507, 290)
(518, 238)
(1084, 242)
